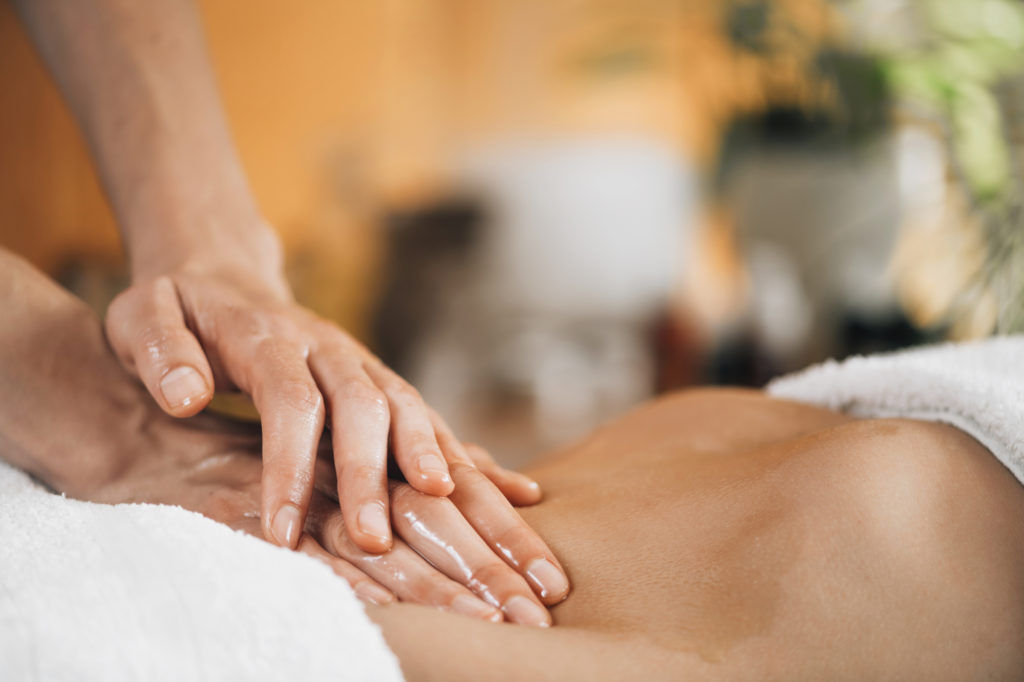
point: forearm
(137, 78)
(65, 401)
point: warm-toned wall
(297, 82)
(342, 107)
(50, 205)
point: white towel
(977, 386)
(147, 592)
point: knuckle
(357, 579)
(322, 329)
(161, 290)
(463, 469)
(519, 541)
(267, 348)
(241, 322)
(490, 574)
(433, 587)
(301, 395)
(286, 477)
(415, 444)
(298, 477)
(364, 394)
(156, 345)
(364, 477)
(406, 499)
(405, 394)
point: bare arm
(137, 78)
(57, 406)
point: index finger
(292, 417)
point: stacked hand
(188, 332)
(209, 310)
(469, 551)
(437, 558)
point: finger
(500, 526)
(147, 330)
(438, 532)
(520, 490)
(360, 420)
(292, 418)
(412, 434)
(365, 587)
(406, 573)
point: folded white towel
(146, 592)
(977, 386)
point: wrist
(72, 416)
(97, 445)
(79, 422)
(240, 248)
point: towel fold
(147, 592)
(977, 386)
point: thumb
(146, 328)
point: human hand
(199, 327)
(212, 466)
(117, 447)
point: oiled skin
(725, 535)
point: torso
(653, 561)
(706, 534)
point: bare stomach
(727, 535)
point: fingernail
(474, 608)
(526, 482)
(525, 612)
(373, 521)
(182, 385)
(546, 577)
(432, 464)
(373, 594)
(286, 525)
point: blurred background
(542, 212)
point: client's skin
(726, 535)
(714, 534)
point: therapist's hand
(76, 421)
(229, 323)
(212, 466)
(208, 307)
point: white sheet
(146, 592)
